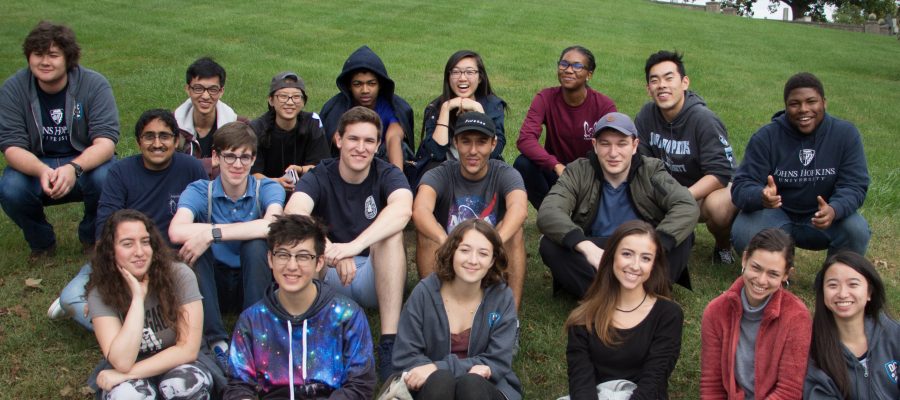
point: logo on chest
(806, 156)
(56, 115)
(371, 209)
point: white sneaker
(56, 311)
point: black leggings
(442, 385)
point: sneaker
(385, 360)
(42, 254)
(220, 350)
(722, 256)
(56, 311)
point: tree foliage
(815, 9)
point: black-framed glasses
(282, 257)
(199, 89)
(470, 73)
(150, 137)
(285, 97)
(230, 158)
(576, 66)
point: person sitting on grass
(755, 337)
(626, 327)
(147, 316)
(302, 339)
(855, 343)
(458, 330)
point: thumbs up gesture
(825, 216)
(770, 196)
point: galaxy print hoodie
(329, 347)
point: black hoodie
(364, 59)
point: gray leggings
(184, 382)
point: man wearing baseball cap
(475, 186)
(598, 193)
(290, 139)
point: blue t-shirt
(348, 209)
(55, 139)
(227, 211)
(386, 112)
(155, 193)
(615, 208)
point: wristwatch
(78, 169)
(216, 234)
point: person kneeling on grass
(147, 316)
(458, 330)
(302, 340)
(626, 328)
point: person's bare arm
(516, 212)
(423, 214)
(392, 219)
(703, 187)
(393, 142)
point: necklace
(635, 308)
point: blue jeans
(24, 200)
(239, 288)
(851, 232)
(362, 289)
(73, 297)
(537, 181)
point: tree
(849, 14)
(816, 8)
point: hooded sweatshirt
(330, 345)
(366, 59)
(878, 380)
(423, 335)
(828, 162)
(693, 145)
(184, 115)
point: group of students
(244, 203)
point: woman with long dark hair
(755, 336)
(855, 343)
(457, 332)
(466, 88)
(626, 327)
(147, 316)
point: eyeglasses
(199, 89)
(282, 257)
(563, 64)
(470, 73)
(285, 97)
(150, 137)
(230, 158)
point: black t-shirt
(55, 138)
(348, 209)
(305, 144)
(206, 142)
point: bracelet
(444, 125)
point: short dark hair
(443, 267)
(205, 67)
(290, 229)
(591, 65)
(234, 135)
(46, 34)
(774, 240)
(356, 115)
(803, 80)
(661, 57)
(163, 115)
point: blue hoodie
(828, 162)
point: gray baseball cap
(287, 79)
(618, 121)
(475, 121)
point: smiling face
(763, 273)
(204, 102)
(614, 151)
(570, 79)
(157, 154)
(287, 102)
(364, 86)
(133, 250)
(666, 87)
(465, 78)
(633, 261)
(846, 292)
(234, 174)
(474, 152)
(293, 274)
(805, 109)
(49, 67)
(473, 258)
(357, 147)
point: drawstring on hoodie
(291, 356)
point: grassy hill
(738, 65)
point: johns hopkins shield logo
(56, 114)
(371, 209)
(806, 156)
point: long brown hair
(443, 267)
(596, 310)
(111, 285)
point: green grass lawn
(738, 65)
